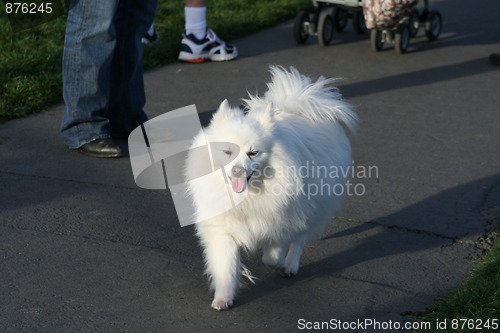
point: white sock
(196, 21)
(151, 30)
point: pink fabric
(387, 14)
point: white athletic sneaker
(148, 39)
(209, 48)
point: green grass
(30, 60)
(477, 300)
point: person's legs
(201, 43)
(127, 99)
(88, 49)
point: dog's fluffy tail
(292, 92)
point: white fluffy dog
(276, 164)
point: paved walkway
(83, 249)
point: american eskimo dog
(274, 156)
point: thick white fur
(297, 123)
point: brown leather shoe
(101, 148)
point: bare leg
(195, 3)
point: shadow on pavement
(383, 238)
(419, 78)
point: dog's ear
(225, 111)
(224, 108)
(265, 116)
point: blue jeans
(103, 86)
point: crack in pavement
(68, 180)
(407, 229)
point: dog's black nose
(237, 171)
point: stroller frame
(333, 15)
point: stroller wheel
(358, 22)
(325, 27)
(402, 39)
(376, 39)
(433, 25)
(340, 18)
(301, 28)
(414, 23)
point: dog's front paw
(288, 271)
(220, 304)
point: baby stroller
(328, 16)
(390, 21)
(395, 21)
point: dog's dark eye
(252, 153)
(227, 152)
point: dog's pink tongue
(238, 184)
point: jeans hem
(84, 142)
